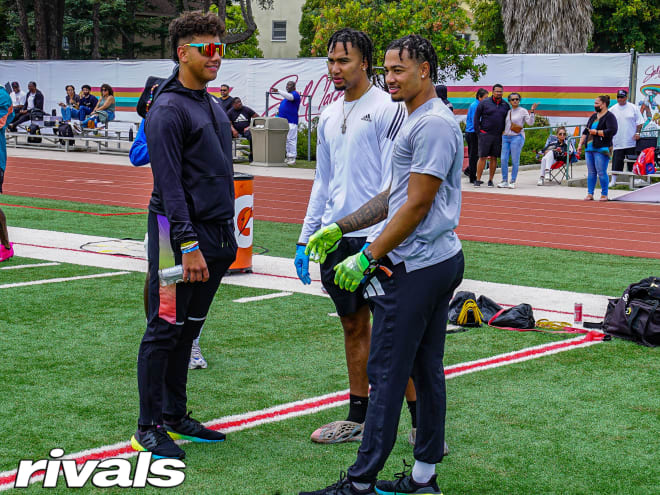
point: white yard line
(64, 279)
(261, 298)
(279, 274)
(33, 265)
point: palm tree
(547, 26)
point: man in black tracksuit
(190, 224)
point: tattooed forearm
(370, 213)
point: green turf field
(585, 421)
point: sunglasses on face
(209, 49)
(514, 99)
(561, 134)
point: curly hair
(420, 49)
(108, 87)
(190, 24)
(359, 40)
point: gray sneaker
(197, 361)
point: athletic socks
(357, 409)
(422, 472)
(412, 408)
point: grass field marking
(274, 295)
(328, 401)
(64, 279)
(591, 338)
(78, 211)
(34, 265)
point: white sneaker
(512, 185)
(503, 184)
(640, 183)
(612, 181)
(540, 181)
(197, 361)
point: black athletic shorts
(346, 302)
(2, 179)
(489, 145)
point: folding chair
(557, 172)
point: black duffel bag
(520, 316)
(33, 131)
(636, 315)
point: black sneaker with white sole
(158, 442)
(490, 183)
(405, 483)
(190, 429)
(477, 183)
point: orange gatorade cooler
(243, 221)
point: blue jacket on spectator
(139, 154)
(469, 121)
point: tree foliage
(386, 20)
(235, 23)
(488, 25)
(617, 26)
(93, 29)
(620, 26)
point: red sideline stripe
(77, 211)
(78, 250)
(590, 337)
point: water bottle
(172, 275)
(130, 134)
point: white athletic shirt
(628, 117)
(354, 167)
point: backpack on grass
(636, 315)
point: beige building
(278, 28)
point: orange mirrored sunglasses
(209, 49)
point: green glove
(322, 242)
(350, 272)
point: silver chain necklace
(343, 126)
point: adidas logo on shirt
(366, 118)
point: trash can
(269, 141)
(243, 222)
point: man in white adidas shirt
(355, 142)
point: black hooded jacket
(189, 141)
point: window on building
(463, 36)
(279, 31)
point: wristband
(190, 249)
(189, 246)
(369, 257)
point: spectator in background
(598, 133)
(104, 111)
(6, 116)
(240, 117)
(88, 102)
(441, 92)
(513, 138)
(34, 105)
(471, 136)
(629, 121)
(555, 149)
(69, 107)
(225, 99)
(489, 125)
(289, 111)
(17, 97)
